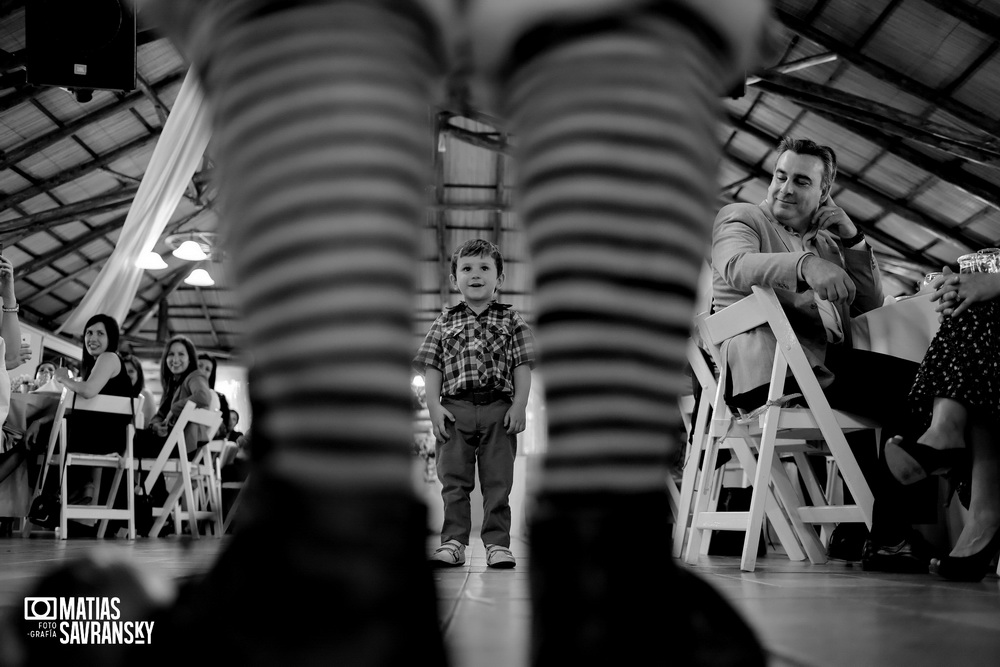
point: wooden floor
(807, 615)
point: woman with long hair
(182, 381)
(102, 372)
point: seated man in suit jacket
(805, 247)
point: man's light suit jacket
(749, 247)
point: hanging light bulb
(199, 278)
(151, 261)
(191, 251)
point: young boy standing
(476, 360)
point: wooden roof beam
(56, 284)
(950, 172)
(105, 203)
(34, 146)
(208, 316)
(898, 79)
(150, 92)
(987, 23)
(71, 246)
(977, 148)
(499, 174)
(498, 145)
(111, 201)
(441, 236)
(22, 94)
(77, 171)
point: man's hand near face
(832, 217)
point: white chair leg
(701, 501)
(780, 521)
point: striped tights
(322, 145)
(322, 141)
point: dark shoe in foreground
(847, 542)
(967, 568)
(902, 558)
(910, 462)
(314, 576)
(601, 607)
(97, 576)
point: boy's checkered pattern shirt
(473, 352)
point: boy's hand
(439, 421)
(514, 419)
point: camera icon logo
(40, 609)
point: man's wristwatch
(854, 240)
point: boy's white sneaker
(499, 557)
(449, 554)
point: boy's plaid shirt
(474, 352)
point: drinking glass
(968, 263)
(989, 260)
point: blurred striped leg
(618, 165)
(616, 125)
(322, 146)
(322, 141)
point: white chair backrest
(191, 414)
(763, 308)
(738, 318)
(118, 405)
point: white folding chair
(178, 473)
(225, 452)
(708, 437)
(697, 430)
(55, 456)
(120, 463)
(774, 428)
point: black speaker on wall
(80, 44)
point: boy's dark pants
(477, 433)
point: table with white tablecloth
(15, 490)
(902, 328)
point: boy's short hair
(477, 248)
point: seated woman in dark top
(182, 381)
(957, 396)
(102, 372)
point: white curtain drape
(176, 156)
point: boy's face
(476, 278)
